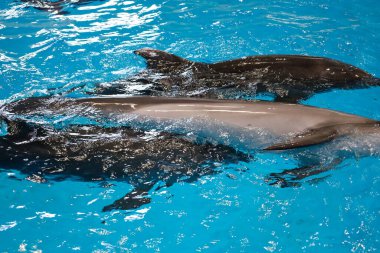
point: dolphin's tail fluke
(327, 133)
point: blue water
(220, 213)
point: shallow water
(234, 211)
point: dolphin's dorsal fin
(308, 138)
(19, 129)
(162, 61)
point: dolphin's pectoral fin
(294, 177)
(289, 178)
(132, 200)
(161, 60)
(308, 138)
(324, 134)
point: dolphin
(297, 125)
(289, 78)
(94, 153)
(243, 125)
(55, 7)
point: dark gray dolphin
(56, 7)
(289, 78)
(94, 153)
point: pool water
(234, 211)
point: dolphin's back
(296, 67)
(277, 118)
(265, 68)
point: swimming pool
(233, 211)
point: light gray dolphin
(295, 125)
(289, 78)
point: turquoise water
(234, 211)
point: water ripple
(93, 42)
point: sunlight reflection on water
(234, 211)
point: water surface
(234, 211)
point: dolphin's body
(297, 125)
(289, 78)
(94, 153)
